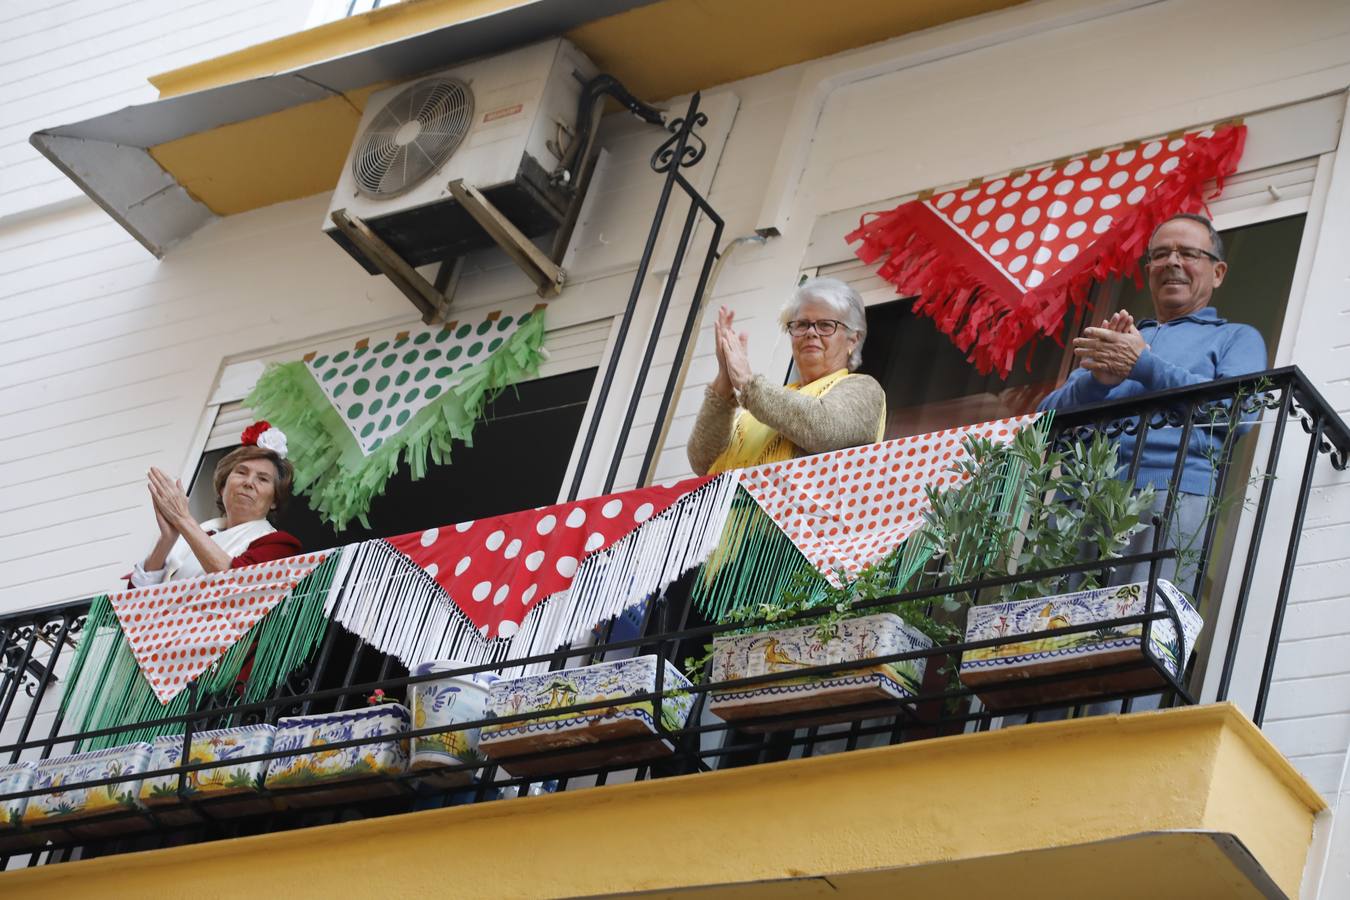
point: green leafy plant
(1025, 506)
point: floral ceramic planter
(789, 649)
(239, 780)
(13, 837)
(13, 778)
(59, 807)
(616, 681)
(447, 701)
(334, 767)
(1084, 651)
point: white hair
(839, 297)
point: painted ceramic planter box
(334, 767)
(13, 836)
(243, 780)
(64, 806)
(14, 777)
(616, 681)
(788, 649)
(447, 701)
(1081, 652)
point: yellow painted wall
(679, 46)
(1279, 832)
(966, 797)
(663, 49)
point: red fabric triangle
(496, 570)
(1000, 265)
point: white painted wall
(66, 60)
(109, 356)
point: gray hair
(1215, 242)
(839, 297)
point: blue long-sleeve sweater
(1189, 350)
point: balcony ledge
(1185, 802)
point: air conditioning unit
(498, 123)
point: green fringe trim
(1009, 500)
(107, 689)
(755, 564)
(330, 468)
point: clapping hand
(1110, 350)
(170, 502)
(1120, 321)
(733, 360)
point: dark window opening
(929, 383)
(516, 460)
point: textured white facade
(111, 358)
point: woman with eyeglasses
(747, 420)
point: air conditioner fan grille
(412, 136)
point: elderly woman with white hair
(747, 420)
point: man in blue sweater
(1186, 343)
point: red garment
(277, 545)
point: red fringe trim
(983, 314)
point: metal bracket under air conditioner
(545, 270)
(431, 300)
(546, 274)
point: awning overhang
(273, 122)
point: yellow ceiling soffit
(657, 51)
(282, 156)
(680, 46)
(339, 38)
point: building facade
(118, 360)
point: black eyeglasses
(1160, 256)
(822, 327)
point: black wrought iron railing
(684, 148)
(1272, 436)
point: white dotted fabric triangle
(379, 387)
(848, 508)
(178, 629)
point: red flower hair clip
(266, 435)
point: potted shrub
(1063, 506)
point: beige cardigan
(846, 416)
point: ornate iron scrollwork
(683, 141)
(1308, 418)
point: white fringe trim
(391, 603)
